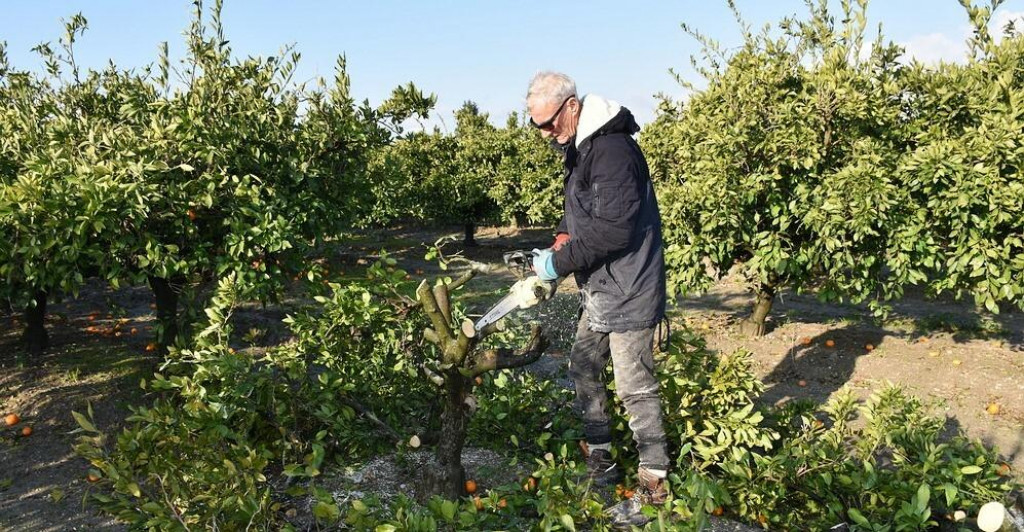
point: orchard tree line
(821, 167)
(173, 176)
(815, 168)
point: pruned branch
(444, 303)
(505, 358)
(441, 327)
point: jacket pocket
(614, 202)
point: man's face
(555, 120)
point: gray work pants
(635, 384)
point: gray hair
(551, 87)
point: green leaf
(327, 511)
(567, 521)
(858, 517)
(970, 470)
(83, 422)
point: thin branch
(465, 278)
(366, 412)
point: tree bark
(468, 240)
(35, 338)
(166, 310)
(447, 477)
(754, 324)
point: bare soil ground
(944, 351)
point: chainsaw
(528, 291)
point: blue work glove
(544, 264)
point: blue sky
(462, 50)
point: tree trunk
(753, 325)
(166, 310)
(468, 240)
(447, 477)
(35, 338)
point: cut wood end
(468, 328)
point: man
(610, 239)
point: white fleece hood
(597, 111)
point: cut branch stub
(504, 358)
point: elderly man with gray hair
(610, 240)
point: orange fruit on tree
(12, 419)
(471, 486)
(478, 503)
(151, 347)
(801, 383)
(992, 408)
(762, 519)
(92, 477)
(628, 494)
(134, 331)
(1004, 469)
(718, 510)
(869, 347)
(192, 215)
(530, 484)
(830, 343)
(26, 430)
(502, 503)
(479, 381)
(806, 340)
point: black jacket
(611, 215)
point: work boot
(602, 469)
(650, 491)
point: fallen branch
(368, 414)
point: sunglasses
(550, 123)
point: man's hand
(544, 264)
(561, 239)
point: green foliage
(852, 176)
(224, 421)
(132, 177)
(783, 161)
(478, 173)
(520, 399)
(963, 175)
(63, 172)
(201, 453)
